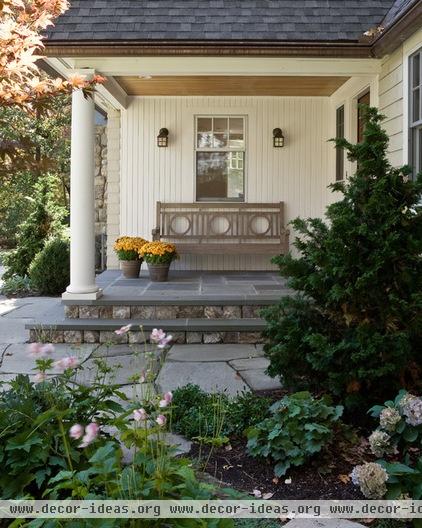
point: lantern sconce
(278, 138)
(163, 138)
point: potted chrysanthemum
(158, 256)
(127, 250)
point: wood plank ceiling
(231, 85)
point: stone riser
(162, 312)
(105, 336)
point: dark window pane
(221, 124)
(416, 70)
(364, 99)
(417, 150)
(416, 106)
(339, 151)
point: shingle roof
(233, 20)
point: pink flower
(67, 363)
(47, 349)
(123, 330)
(165, 341)
(161, 420)
(76, 431)
(140, 415)
(157, 335)
(167, 399)
(40, 377)
(91, 433)
(38, 350)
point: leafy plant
(16, 286)
(354, 327)
(397, 442)
(299, 427)
(203, 416)
(49, 272)
(45, 220)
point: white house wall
(297, 174)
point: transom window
(415, 111)
(220, 158)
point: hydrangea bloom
(404, 402)
(379, 443)
(371, 478)
(389, 418)
(413, 412)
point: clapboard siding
(391, 103)
(297, 174)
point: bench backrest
(209, 222)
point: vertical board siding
(297, 174)
(391, 104)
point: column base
(92, 296)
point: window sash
(415, 112)
(340, 151)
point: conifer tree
(354, 327)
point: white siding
(391, 103)
(297, 174)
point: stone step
(183, 330)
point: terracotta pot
(159, 272)
(131, 268)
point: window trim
(414, 126)
(340, 157)
(222, 149)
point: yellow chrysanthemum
(157, 249)
(126, 243)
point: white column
(82, 203)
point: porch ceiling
(232, 85)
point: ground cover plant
(354, 327)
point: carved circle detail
(255, 219)
(173, 227)
(214, 227)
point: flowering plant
(158, 252)
(127, 248)
(397, 444)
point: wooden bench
(224, 229)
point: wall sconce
(278, 138)
(163, 138)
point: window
(340, 151)
(415, 112)
(220, 158)
(363, 99)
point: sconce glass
(278, 138)
(163, 138)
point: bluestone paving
(211, 377)
(259, 381)
(251, 362)
(322, 523)
(211, 353)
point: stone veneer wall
(113, 185)
(100, 190)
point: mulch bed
(327, 477)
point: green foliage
(207, 417)
(45, 220)
(299, 427)
(32, 447)
(16, 286)
(127, 255)
(354, 327)
(403, 440)
(49, 272)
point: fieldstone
(71, 312)
(232, 312)
(91, 336)
(213, 312)
(178, 337)
(251, 311)
(250, 337)
(142, 312)
(57, 337)
(210, 353)
(216, 377)
(190, 312)
(72, 336)
(166, 312)
(231, 337)
(182, 445)
(259, 381)
(193, 337)
(322, 523)
(121, 312)
(89, 312)
(213, 337)
(106, 312)
(250, 363)
(112, 338)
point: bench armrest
(156, 233)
